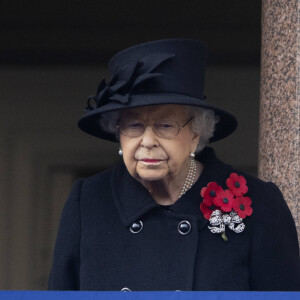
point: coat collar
(133, 200)
(131, 197)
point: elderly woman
(171, 216)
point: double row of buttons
(184, 227)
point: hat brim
(89, 123)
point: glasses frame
(147, 124)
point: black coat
(96, 250)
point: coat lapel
(131, 198)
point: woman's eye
(135, 125)
(165, 125)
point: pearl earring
(192, 155)
(120, 152)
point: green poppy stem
(224, 237)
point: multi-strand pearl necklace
(190, 178)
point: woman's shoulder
(264, 194)
(256, 186)
(221, 171)
(270, 211)
(260, 191)
(267, 200)
(101, 178)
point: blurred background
(53, 54)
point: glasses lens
(132, 128)
(166, 129)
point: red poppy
(242, 206)
(210, 192)
(224, 199)
(207, 210)
(237, 184)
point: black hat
(168, 71)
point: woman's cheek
(133, 163)
(172, 166)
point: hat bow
(126, 80)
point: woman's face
(150, 157)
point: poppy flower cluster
(215, 197)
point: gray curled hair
(203, 123)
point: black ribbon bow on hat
(125, 81)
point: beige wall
(42, 149)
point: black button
(225, 200)
(184, 227)
(136, 227)
(212, 194)
(237, 184)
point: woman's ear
(195, 141)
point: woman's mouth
(151, 161)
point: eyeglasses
(162, 128)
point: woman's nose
(149, 138)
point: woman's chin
(151, 175)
